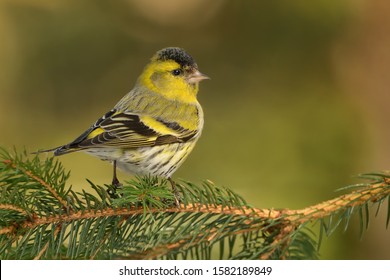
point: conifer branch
(44, 248)
(41, 218)
(29, 174)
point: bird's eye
(176, 72)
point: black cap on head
(177, 54)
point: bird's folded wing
(128, 130)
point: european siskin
(154, 127)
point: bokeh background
(296, 107)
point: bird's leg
(115, 184)
(175, 192)
(115, 181)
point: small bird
(154, 127)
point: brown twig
(281, 240)
(8, 230)
(297, 217)
(13, 207)
(358, 197)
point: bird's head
(174, 74)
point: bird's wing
(128, 130)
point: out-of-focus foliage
(296, 103)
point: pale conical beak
(196, 77)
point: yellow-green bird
(154, 127)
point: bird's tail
(61, 150)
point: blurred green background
(297, 103)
